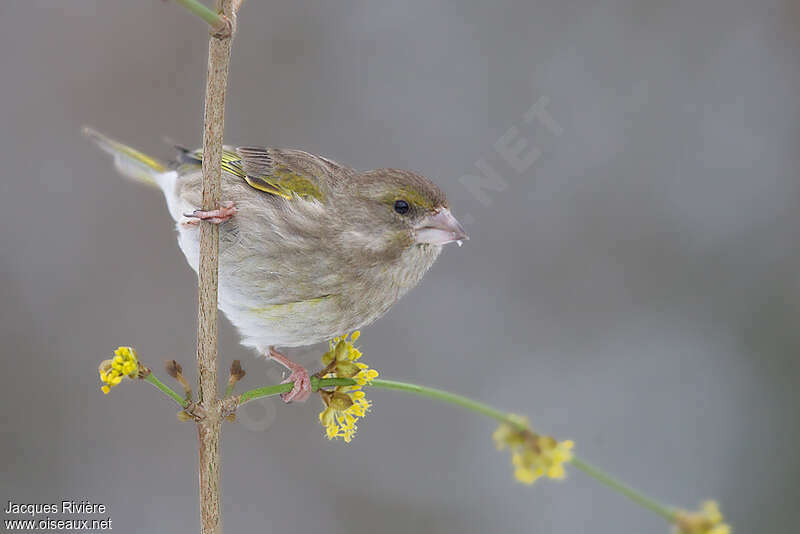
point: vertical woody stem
(208, 428)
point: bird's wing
(282, 172)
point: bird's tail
(132, 163)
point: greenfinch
(309, 249)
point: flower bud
(341, 401)
(341, 351)
(346, 369)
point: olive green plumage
(315, 249)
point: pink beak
(440, 228)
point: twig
(472, 405)
(153, 379)
(231, 404)
(622, 488)
(208, 428)
(221, 25)
(213, 19)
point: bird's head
(400, 209)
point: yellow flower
(532, 455)
(123, 364)
(345, 405)
(708, 520)
(510, 434)
(341, 413)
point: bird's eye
(401, 207)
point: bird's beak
(440, 228)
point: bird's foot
(218, 216)
(302, 383)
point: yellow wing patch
(279, 181)
(262, 184)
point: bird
(309, 249)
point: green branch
(451, 398)
(210, 16)
(477, 407)
(624, 489)
(446, 396)
(153, 379)
(424, 391)
(271, 391)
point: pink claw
(302, 383)
(224, 213)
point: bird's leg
(224, 213)
(302, 383)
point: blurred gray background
(631, 282)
